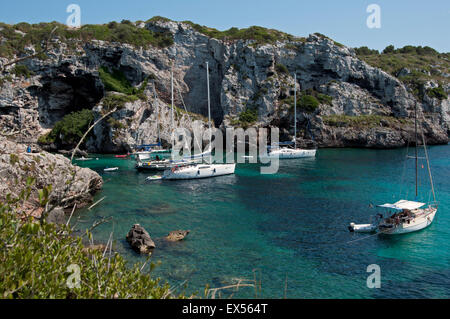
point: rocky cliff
(70, 184)
(342, 100)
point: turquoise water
(291, 227)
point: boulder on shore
(140, 240)
(177, 235)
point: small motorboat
(362, 228)
(112, 169)
(154, 178)
(122, 156)
(84, 159)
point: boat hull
(164, 165)
(200, 171)
(292, 153)
(416, 224)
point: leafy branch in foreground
(37, 260)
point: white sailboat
(411, 216)
(285, 150)
(161, 164)
(198, 171)
(406, 216)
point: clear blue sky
(415, 22)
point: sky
(403, 22)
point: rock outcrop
(140, 240)
(177, 235)
(70, 184)
(245, 75)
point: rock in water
(177, 235)
(140, 240)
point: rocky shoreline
(70, 185)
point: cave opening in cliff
(65, 94)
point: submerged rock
(177, 235)
(140, 240)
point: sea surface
(289, 230)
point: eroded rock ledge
(70, 184)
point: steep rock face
(70, 184)
(243, 75)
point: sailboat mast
(209, 109)
(295, 110)
(417, 158)
(171, 83)
(157, 113)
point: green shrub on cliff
(363, 121)
(423, 63)
(305, 102)
(70, 129)
(437, 93)
(259, 34)
(281, 68)
(116, 81)
(45, 261)
(112, 101)
(22, 35)
(308, 103)
(249, 116)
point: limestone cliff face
(244, 75)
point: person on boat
(158, 158)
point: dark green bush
(309, 100)
(389, 49)
(437, 93)
(70, 129)
(281, 68)
(365, 51)
(308, 103)
(249, 116)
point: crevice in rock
(64, 94)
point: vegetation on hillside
(42, 260)
(246, 118)
(308, 100)
(437, 93)
(116, 81)
(363, 121)
(424, 64)
(19, 36)
(70, 129)
(259, 34)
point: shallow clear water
(292, 227)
